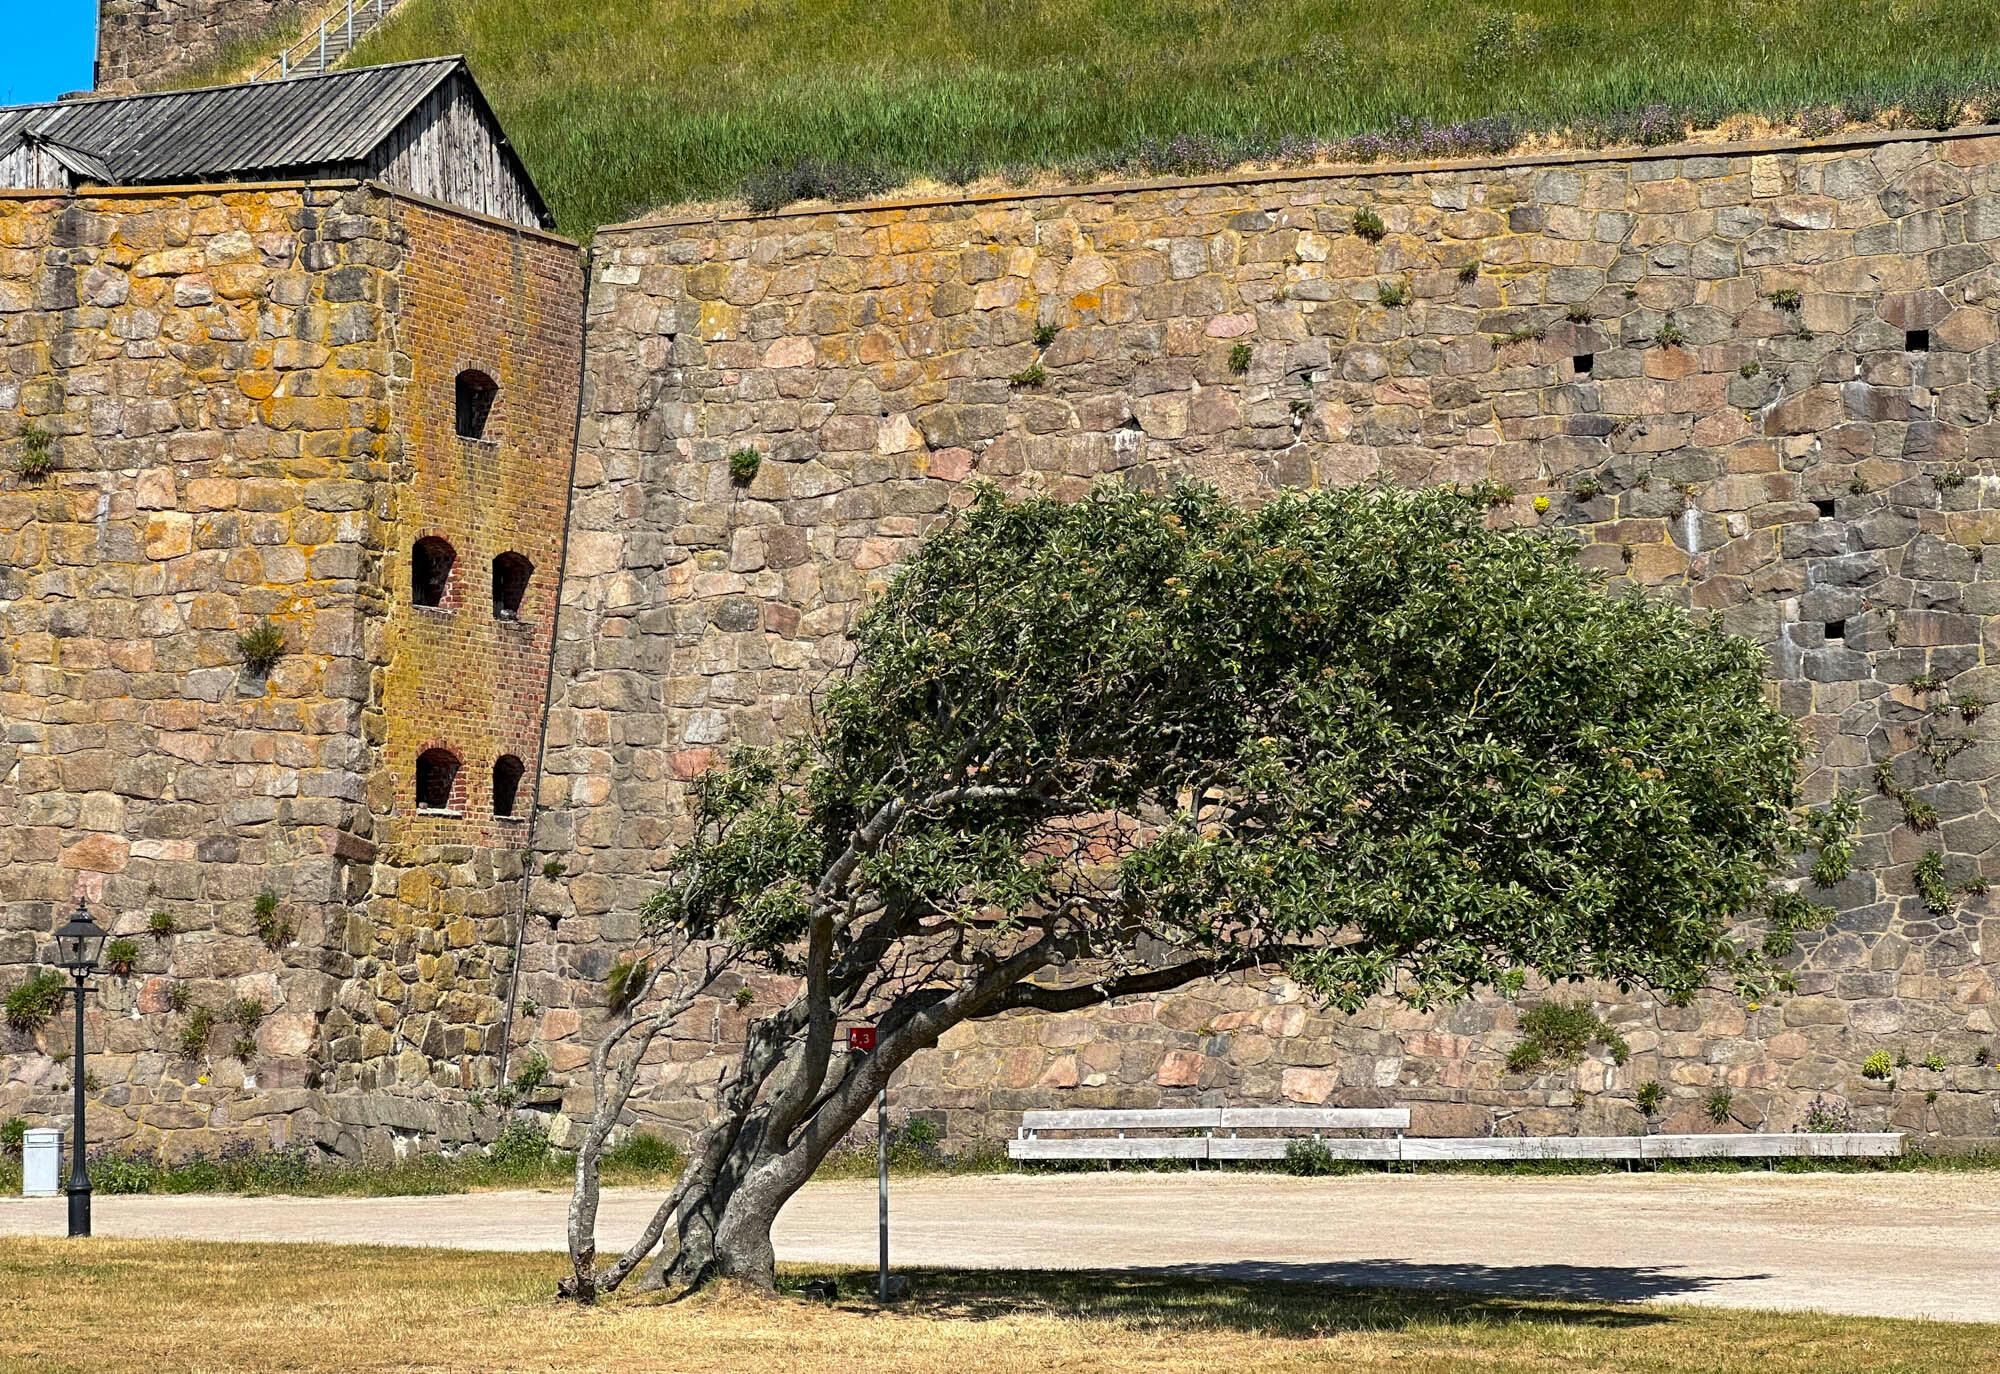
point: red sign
(861, 1037)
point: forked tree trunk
(788, 1104)
(725, 1231)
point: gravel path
(1903, 1245)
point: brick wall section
(507, 305)
(142, 43)
(866, 353)
(221, 412)
(434, 941)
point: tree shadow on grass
(1288, 1300)
(1624, 1283)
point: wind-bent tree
(1355, 734)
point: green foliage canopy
(1357, 732)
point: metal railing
(329, 40)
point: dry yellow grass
(158, 1306)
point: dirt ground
(1900, 1245)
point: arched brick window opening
(507, 772)
(476, 391)
(437, 770)
(430, 570)
(511, 572)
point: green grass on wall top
(621, 106)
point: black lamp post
(78, 943)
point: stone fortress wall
(1761, 381)
(142, 43)
(248, 393)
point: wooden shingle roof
(334, 124)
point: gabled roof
(223, 133)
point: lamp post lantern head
(79, 941)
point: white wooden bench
(1032, 1143)
(1774, 1145)
(1052, 1135)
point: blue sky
(48, 48)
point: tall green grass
(621, 106)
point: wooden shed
(422, 126)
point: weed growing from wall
(532, 1073)
(30, 1005)
(274, 930)
(120, 956)
(1555, 1035)
(1825, 1116)
(193, 1039)
(624, 983)
(1929, 875)
(38, 458)
(261, 646)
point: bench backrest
(1219, 1118)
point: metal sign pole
(861, 1040)
(882, 1192)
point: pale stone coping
(1328, 171)
(219, 188)
(189, 188)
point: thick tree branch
(1042, 998)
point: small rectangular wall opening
(1825, 507)
(1917, 340)
(1836, 629)
(1582, 363)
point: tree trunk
(692, 1263)
(743, 1249)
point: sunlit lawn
(109, 1305)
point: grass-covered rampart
(625, 105)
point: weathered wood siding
(450, 150)
(28, 167)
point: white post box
(41, 1162)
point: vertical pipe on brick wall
(549, 680)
